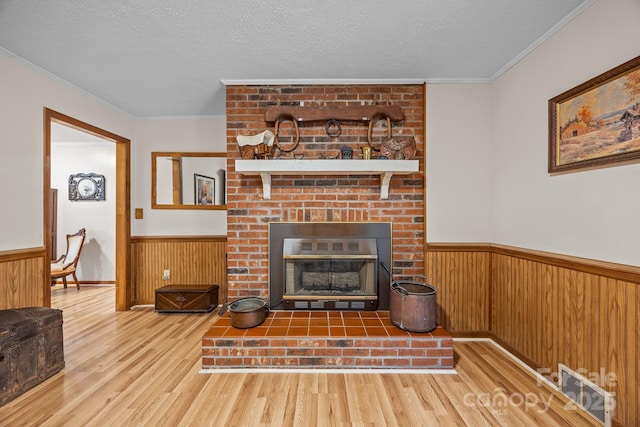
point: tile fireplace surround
(325, 339)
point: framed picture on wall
(86, 186)
(204, 190)
(598, 122)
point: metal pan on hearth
(248, 312)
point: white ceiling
(167, 57)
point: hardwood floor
(141, 368)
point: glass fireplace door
(330, 270)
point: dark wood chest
(31, 349)
(186, 298)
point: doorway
(77, 155)
(122, 202)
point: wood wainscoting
(22, 276)
(546, 309)
(462, 275)
(191, 260)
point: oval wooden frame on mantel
(154, 191)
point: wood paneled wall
(195, 260)
(22, 277)
(461, 276)
(547, 309)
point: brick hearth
(321, 339)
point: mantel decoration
(400, 147)
(256, 146)
(86, 186)
(598, 122)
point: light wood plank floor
(141, 368)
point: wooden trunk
(31, 349)
(186, 298)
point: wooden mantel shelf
(384, 168)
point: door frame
(124, 293)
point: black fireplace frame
(278, 231)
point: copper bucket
(412, 304)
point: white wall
(195, 134)
(97, 261)
(25, 92)
(487, 151)
(592, 214)
(458, 163)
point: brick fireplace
(320, 198)
(313, 336)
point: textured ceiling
(168, 57)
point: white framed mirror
(181, 180)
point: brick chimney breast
(320, 198)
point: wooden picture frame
(204, 190)
(597, 123)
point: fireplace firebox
(329, 266)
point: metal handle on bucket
(399, 289)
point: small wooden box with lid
(186, 298)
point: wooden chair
(66, 265)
